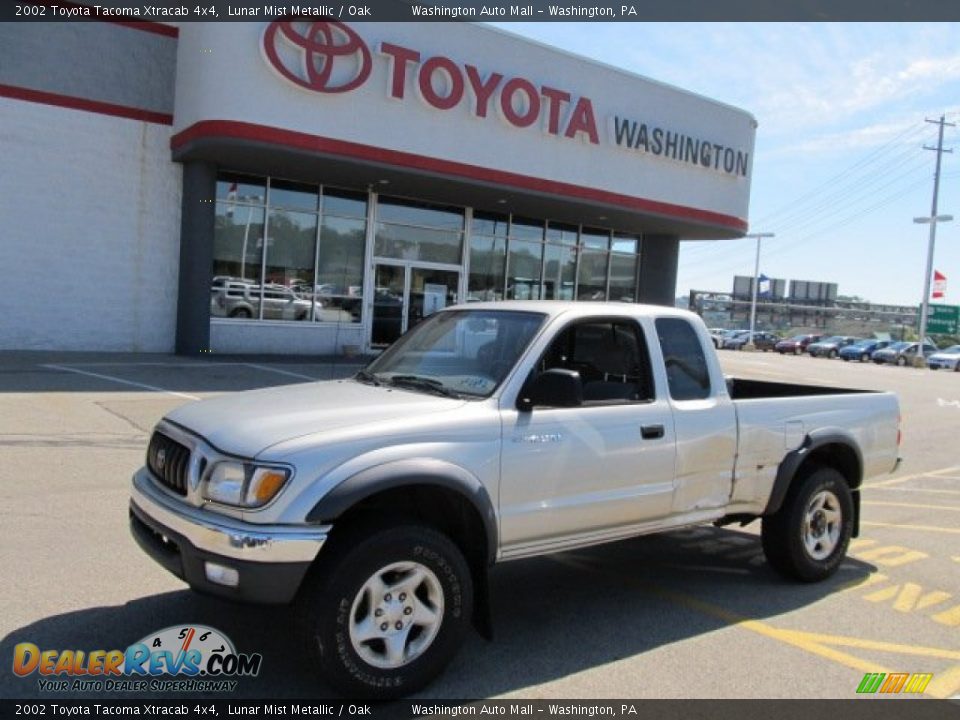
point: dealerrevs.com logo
(199, 658)
(326, 56)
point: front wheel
(385, 615)
(807, 538)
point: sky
(839, 170)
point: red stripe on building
(209, 129)
(76, 103)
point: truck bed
(742, 389)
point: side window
(611, 357)
(687, 374)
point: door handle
(651, 432)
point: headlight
(244, 484)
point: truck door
(705, 419)
(571, 473)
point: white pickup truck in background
(494, 431)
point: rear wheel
(386, 613)
(807, 538)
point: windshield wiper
(418, 382)
(366, 376)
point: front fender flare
(389, 476)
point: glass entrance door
(406, 294)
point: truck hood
(247, 423)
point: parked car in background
(948, 359)
(716, 335)
(796, 345)
(761, 340)
(862, 349)
(734, 340)
(902, 353)
(237, 298)
(830, 346)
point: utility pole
(756, 283)
(920, 360)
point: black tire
(845, 358)
(241, 313)
(788, 533)
(335, 599)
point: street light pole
(920, 360)
(756, 283)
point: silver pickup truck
(494, 431)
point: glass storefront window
(410, 212)
(293, 196)
(623, 277)
(487, 223)
(416, 243)
(344, 203)
(340, 269)
(237, 261)
(296, 279)
(559, 271)
(562, 234)
(525, 263)
(407, 230)
(488, 256)
(624, 263)
(526, 229)
(235, 188)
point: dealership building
(319, 187)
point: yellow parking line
(912, 505)
(905, 478)
(916, 490)
(945, 684)
(925, 528)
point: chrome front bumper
(224, 536)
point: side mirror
(552, 388)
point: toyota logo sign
(324, 56)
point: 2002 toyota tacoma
(491, 432)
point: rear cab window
(688, 377)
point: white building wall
(91, 230)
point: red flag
(939, 285)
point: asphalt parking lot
(694, 613)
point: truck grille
(169, 462)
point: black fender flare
(389, 476)
(795, 458)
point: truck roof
(554, 308)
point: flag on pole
(939, 285)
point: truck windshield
(456, 353)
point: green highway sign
(943, 319)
